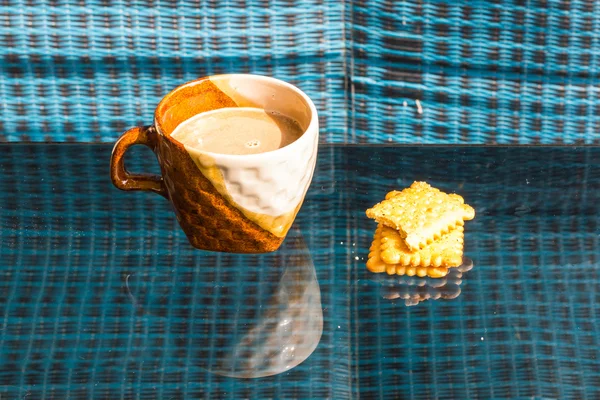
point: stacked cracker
(420, 232)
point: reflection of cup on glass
(272, 324)
(227, 202)
(414, 290)
(238, 315)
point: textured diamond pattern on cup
(271, 189)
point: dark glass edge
(345, 145)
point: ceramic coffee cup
(229, 203)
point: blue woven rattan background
(505, 71)
(101, 296)
(527, 323)
(87, 70)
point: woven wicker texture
(102, 296)
(526, 324)
(87, 70)
(101, 287)
(508, 71)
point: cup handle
(125, 180)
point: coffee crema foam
(238, 131)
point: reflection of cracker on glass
(376, 264)
(421, 213)
(447, 251)
(412, 298)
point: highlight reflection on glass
(414, 290)
(274, 323)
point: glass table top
(101, 295)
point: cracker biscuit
(393, 193)
(421, 213)
(447, 251)
(377, 265)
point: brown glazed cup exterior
(229, 203)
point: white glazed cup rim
(278, 153)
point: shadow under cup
(223, 202)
